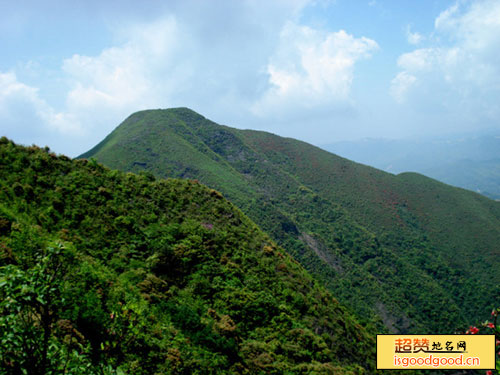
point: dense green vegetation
(413, 254)
(103, 272)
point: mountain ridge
(372, 223)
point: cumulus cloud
(460, 69)
(237, 62)
(311, 69)
(123, 75)
(25, 115)
(20, 106)
(108, 87)
(194, 54)
(13, 91)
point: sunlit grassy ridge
(122, 272)
(418, 255)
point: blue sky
(317, 70)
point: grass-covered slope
(104, 272)
(417, 254)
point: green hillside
(104, 272)
(409, 252)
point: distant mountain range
(470, 162)
(406, 253)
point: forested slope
(415, 254)
(107, 272)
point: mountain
(104, 272)
(407, 252)
(468, 161)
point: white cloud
(23, 113)
(419, 60)
(460, 69)
(311, 69)
(11, 90)
(413, 37)
(401, 84)
(447, 17)
(122, 79)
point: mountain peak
(182, 113)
